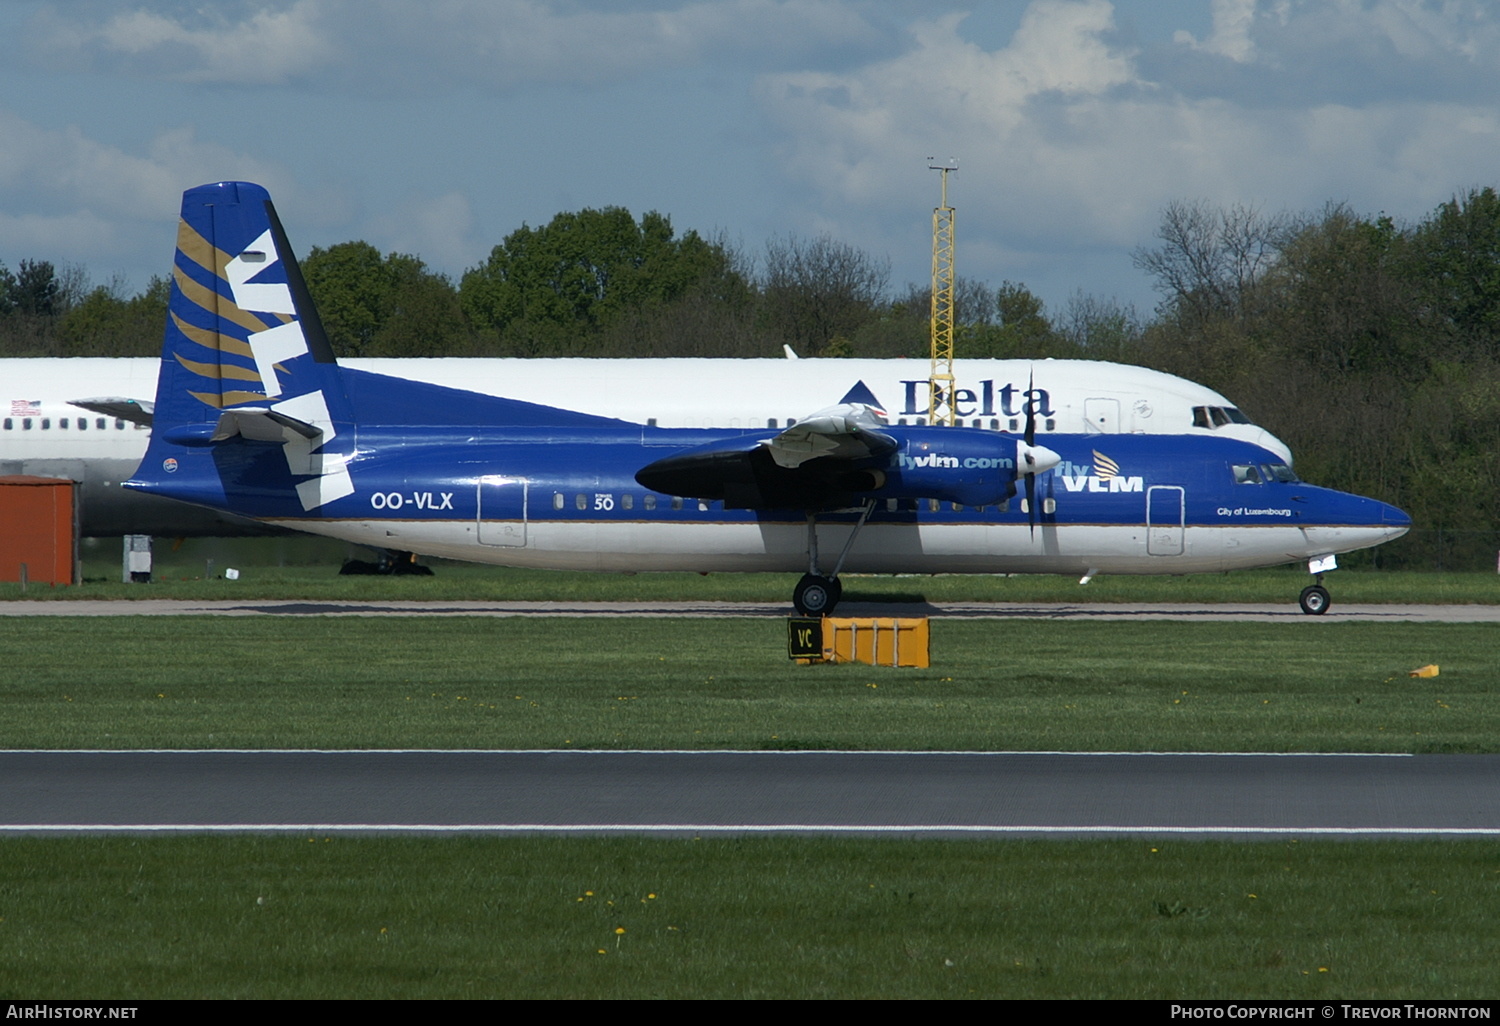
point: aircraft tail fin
(245, 354)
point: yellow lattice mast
(940, 389)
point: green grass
(347, 682)
(476, 917)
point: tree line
(1371, 347)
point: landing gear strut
(815, 594)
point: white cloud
(68, 237)
(439, 229)
(62, 165)
(1066, 144)
(1231, 34)
(498, 43)
(269, 46)
(65, 196)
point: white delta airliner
(1112, 469)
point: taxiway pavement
(1244, 612)
(692, 793)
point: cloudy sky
(437, 128)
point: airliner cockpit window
(1200, 417)
(1235, 416)
(1244, 473)
(1220, 417)
(1279, 472)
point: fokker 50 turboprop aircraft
(253, 416)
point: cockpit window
(1278, 472)
(1245, 473)
(1217, 416)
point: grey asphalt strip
(1267, 613)
(1048, 794)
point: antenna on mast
(940, 380)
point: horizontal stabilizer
(261, 425)
(137, 411)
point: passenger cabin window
(7, 423)
(676, 502)
(627, 501)
(771, 422)
(100, 423)
(650, 502)
(558, 501)
(581, 501)
(83, 423)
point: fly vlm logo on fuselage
(1103, 476)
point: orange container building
(39, 527)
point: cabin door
(1164, 520)
(502, 511)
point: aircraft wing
(818, 462)
(849, 431)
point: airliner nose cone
(1397, 522)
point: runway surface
(1247, 612)
(693, 793)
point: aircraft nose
(1272, 443)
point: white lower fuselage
(715, 545)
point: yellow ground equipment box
(878, 641)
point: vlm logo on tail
(242, 333)
(1106, 476)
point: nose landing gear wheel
(1314, 600)
(816, 596)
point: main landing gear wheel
(1314, 600)
(816, 596)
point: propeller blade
(1030, 435)
(1031, 503)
